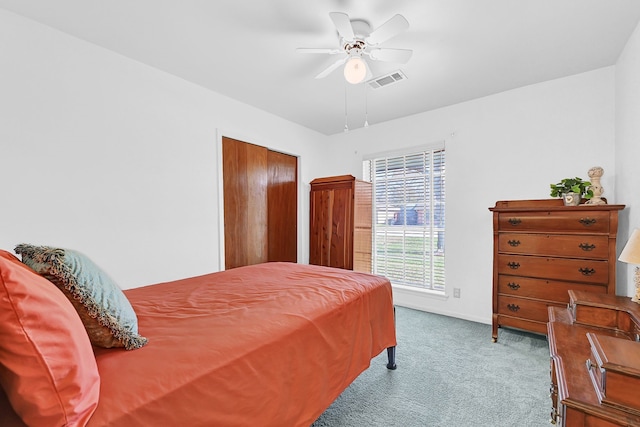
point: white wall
(119, 160)
(628, 150)
(507, 146)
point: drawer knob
(514, 221)
(513, 243)
(513, 286)
(513, 307)
(513, 265)
(587, 246)
(587, 221)
(587, 271)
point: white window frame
(432, 266)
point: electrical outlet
(456, 292)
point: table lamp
(631, 255)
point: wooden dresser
(595, 361)
(340, 223)
(542, 249)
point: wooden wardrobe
(260, 204)
(340, 223)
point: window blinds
(409, 217)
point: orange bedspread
(265, 345)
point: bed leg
(391, 355)
(391, 351)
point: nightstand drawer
(578, 221)
(565, 245)
(572, 270)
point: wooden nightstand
(595, 361)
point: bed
(271, 344)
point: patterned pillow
(105, 311)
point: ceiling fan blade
(331, 67)
(390, 55)
(318, 50)
(343, 25)
(389, 29)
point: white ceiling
(463, 49)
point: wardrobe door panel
(320, 227)
(342, 229)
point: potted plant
(572, 190)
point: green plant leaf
(571, 185)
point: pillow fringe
(55, 258)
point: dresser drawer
(549, 290)
(575, 221)
(525, 308)
(571, 270)
(566, 245)
(521, 323)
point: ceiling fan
(357, 41)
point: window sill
(403, 289)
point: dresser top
(548, 205)
(606, 301)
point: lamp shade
(355, 70)
(631, 252)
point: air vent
(387, 80)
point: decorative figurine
(595, 173)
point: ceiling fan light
(355, 70)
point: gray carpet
(450, 374)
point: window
(409, 217)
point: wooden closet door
(245, 203)
(282, 199)
(260, 204)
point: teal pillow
(105, 311)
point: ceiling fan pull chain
(366, 107)
(346, 123)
